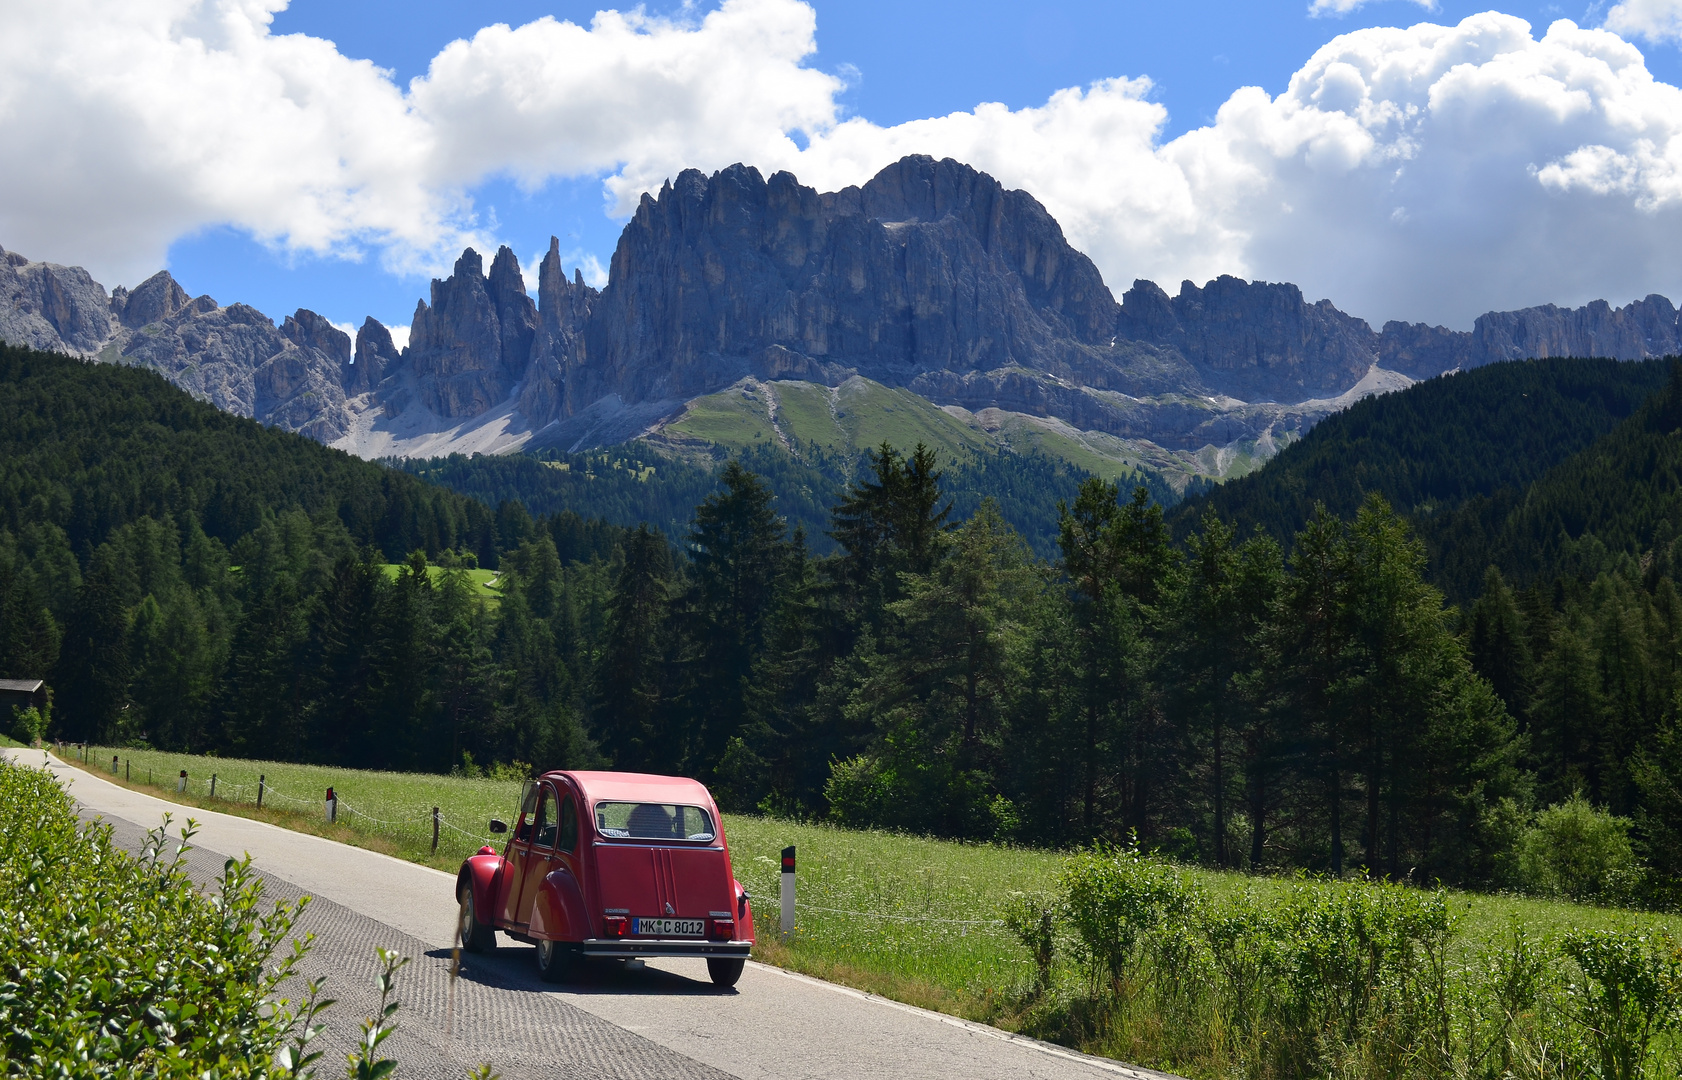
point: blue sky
(896, 63)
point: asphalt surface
(662, 1018)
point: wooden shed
(21, 694)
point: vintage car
(610, 864)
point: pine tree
(631, 702)
(742, 560)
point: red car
(610, 864)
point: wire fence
(424, 825)
(427, 826)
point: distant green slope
(1437, 445)
(842, 422)
(89, 448)
(1620, 498)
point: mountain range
(931, 278)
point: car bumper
(628, 947)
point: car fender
(744, 914)
(482, 873)
(558, 913)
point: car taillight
(616, 925)
(723, 929)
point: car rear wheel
(554, 960)
(475, 935)
(725, 970)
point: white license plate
(669, 927)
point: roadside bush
(1580, 852)
(1354, 979)
(1113, 898)
(112, 965)
(1631, 991)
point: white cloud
(1655, 20)
(1429, 173)
(399, 337)
(1344, 7)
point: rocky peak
(930, 267)
(476, 340)
(563, 308)
(1011, 226)
(1640, 330)
(311, 331)
(1253, 340)
(153, 300)
(375, 355)
(516, 314)
(48, 306)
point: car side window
(569, 825)
(528, 813)
(545, 836)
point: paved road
(656, 1019)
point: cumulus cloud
(1344, 7)
(1428, 173)
(1655, 20)
(1431, 172)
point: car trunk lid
(653, 881)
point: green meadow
(916, 919)
(484, 581)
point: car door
(538, 854)
(514, 873)
(554, 848)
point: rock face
(1253, 340)
(931, 276)
(375, 353)
(235, 358)
(931, 267)
(47, 306)
(1642, 330)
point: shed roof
(23, 686)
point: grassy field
(910, 918)
(483, 580)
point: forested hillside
(1436, 445)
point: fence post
(213, 785)
(332, 807)
(113, 764)
(260, 779)
(788, 891)
(127, 765)
(435, 830)
(181, 783)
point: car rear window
(653, 821)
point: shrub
(1113, 897)
(858, 792)
(1033, 920)
(1631, 991)
(28, 725)
(112, 965)
(1578, 851)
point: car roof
(640, 787)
